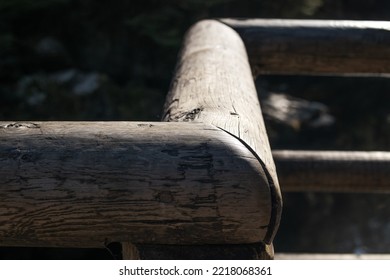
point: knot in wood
(21, 125)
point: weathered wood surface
(87, 184)
(315, 46)
(333, 171)
(213, 84)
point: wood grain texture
(87, 184)
(333, 171)
(315, 46)
(213, 84)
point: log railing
(202, 183)
(315, 46)
(86, 184)
(333, 171)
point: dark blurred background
(113, 60)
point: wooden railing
(315, 46)
(202, 183)
(204, 180)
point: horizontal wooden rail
(333, 171)
(315, 46)
(86, 184)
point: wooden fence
(202, 183)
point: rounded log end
(212, 35)
(150, 183)
(248, 202)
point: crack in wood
(183, 116)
